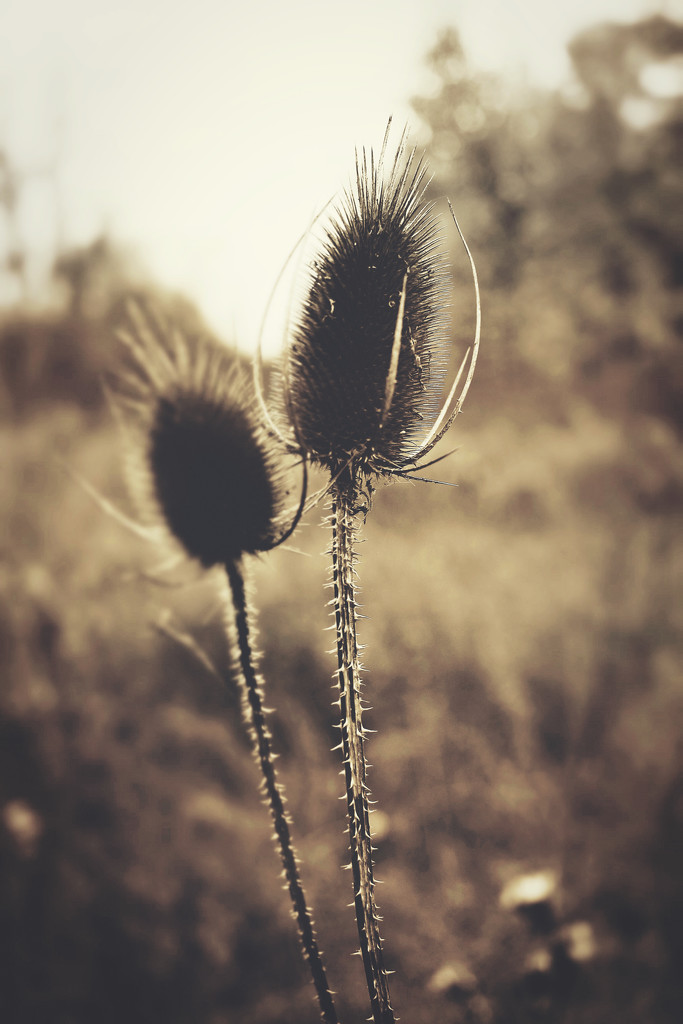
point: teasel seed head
(204, 463)
(369, 350)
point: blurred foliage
(524, 640)
(568, 202)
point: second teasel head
(204, 466)
(369, 349)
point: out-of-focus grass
(524, 643)
(138, 873)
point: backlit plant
(363, 373)
(208, 476)
(362, 379)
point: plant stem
(343, 532)
(251, 686)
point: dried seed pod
(208, 468)
(370, 347)
(207, 471)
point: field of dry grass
(524, 643)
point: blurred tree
(92, 274)
(475, 142)
(569, 199)
(13, 258)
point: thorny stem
(251, 687)
(351, 709)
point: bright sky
(205, 134)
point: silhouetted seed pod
(350, 400)
(208, 465)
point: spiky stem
(360, 840)
(251, 686)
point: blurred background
(525, 628)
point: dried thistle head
(369, 350)
(205, 465)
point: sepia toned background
(524, 632)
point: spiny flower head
(369, 349)
(208, 469)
